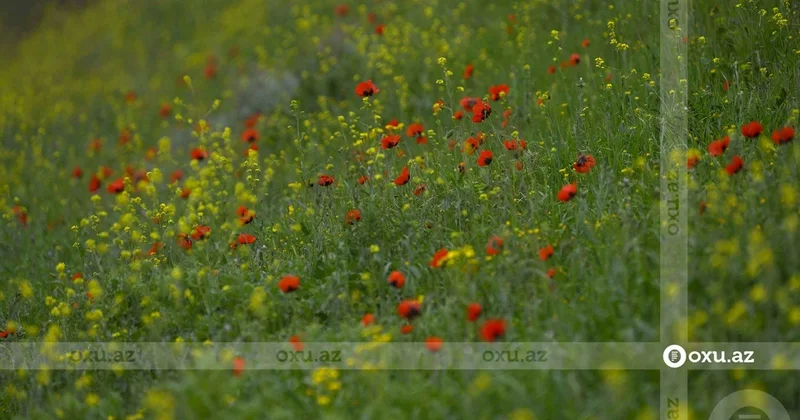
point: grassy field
(254, 171)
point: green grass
(299, 66)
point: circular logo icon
(749, 404)
(674, 356)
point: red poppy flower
(4, 334)
(238, 366)
(485, 158)
(567, 192)
(21, 214)
(352, 216)
(77, 173)
(415, 130)
(735, 166)
(546, 252)
(289, 283)
(409, 309)
(438, 257)
(585, 43)
(506, 117)
(481, 111)
(389, 142)
(245, 215)
(325, 180)
(367, 319)
(210, 71)
(177, 175)
(498, 91)
(139, 175)
(752, 129)
(362, 179)
(117, 186)
(468, 70)
(184, 242)
(342, 10)
(725, 85)
(574, 59)
(493, 329)
(467, 103)
(473, 311)
(403, 178)
(250, 135)
(458, 115)
(584, 164)
(185, 193)
(433, 343)
(552, 69)
(407, 329)
(245, 239)
(718, 147)
(518, 165)
(95, 145)
(198, 153)
(783, 135)
(124, 136)
(155, 248)
(470, 145)
(396, 279)
(515, 144)
(691, 161)
(379, 28)
(165, 111)
(552, 273)
(201, 232)
(296, 343)
(252, 120)
(130, 97)
(422, 140)
(495, 245)
(419, 189)
(366, 89)
(372, 17)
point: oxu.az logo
(675, 356)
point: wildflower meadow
(374, 192)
